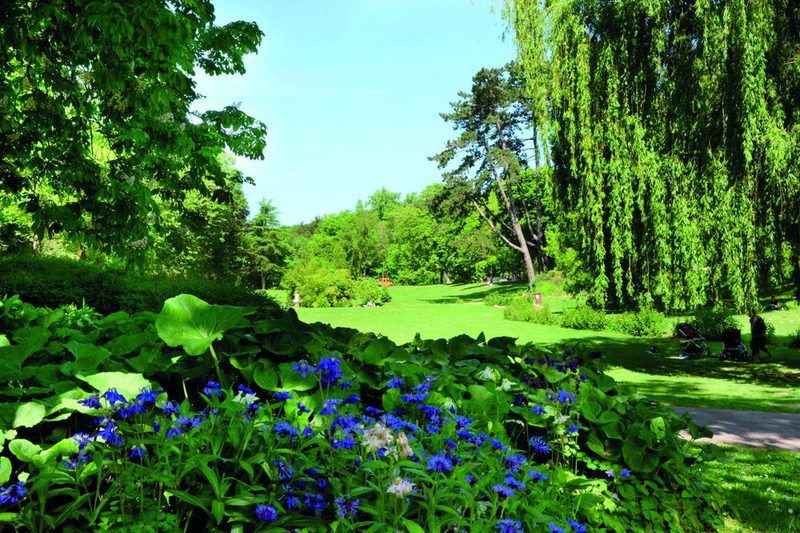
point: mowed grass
(444, 311)
(760, 486)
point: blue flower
(609, 473)
(281, 395)
(414, 397)
(147, 396)
(625, 472)
(345, 506)
(537, 476)
(352, 399)
(302, 368)
(462, 421)
(82, 439)
(285, 471)
(565, 397)
(497, 445)
(170, 408)
(502, 490)
(555, 529)
(284, 429)
(540, 445)
(395, 383)
(109, 434)
(245, 390)
(329, 371)
(513, 483)
(113, 397)
(573, 429)
(510, 526)
(329, 407)
(308, 432)
(347, 442)
(576, 527)
(439, 463)
(315, 503)
(470, 479)
(538, 410)
(266, 513)
(91, 401)
(514, 461)
(212, 389)
(302, 408)
(372, 410)
(13, 493)
(138, 452)
(76, 459)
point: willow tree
(489, 155)
(673, 129)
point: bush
(642, 323)
(583, 317)
(321, 285)
(502, 297)
(368, 290)
(56, 281)
(710, 323)
(522, 309)
(794, 340)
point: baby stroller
(733, 350)
(693, 345)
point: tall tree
(675, 141)
(490, 157)
(79, 75)
(267, 246)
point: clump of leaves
(710, 323)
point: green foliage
(319, 285)
(54, 282)
(368, 290)
(98, 115)
(584, 448)
(794, 340)
(523, 309)
(504, 298)
(642, 323)
(583, 317)
(673, 145)
(710, 323)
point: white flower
(488, 374)
(400, 487)
(507, 384)
(377, 437)
(401, 449)
(246, 399)
(791, 511)
(561, 419)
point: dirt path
(748, 428)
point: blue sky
(351, 92)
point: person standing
(758, 337)
(296, 300)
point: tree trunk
(37, 246)
(526, 253)
(263, 282)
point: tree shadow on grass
(469, 294)
(630, 353)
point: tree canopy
(674, 134)
(97, 118)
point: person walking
(758, 337)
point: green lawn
(438, 311)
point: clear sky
(351, 92)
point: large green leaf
(129, 385)
(29, 414)
(88, 358)
(190, 322)
(24, 450)
(5, 470)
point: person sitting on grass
(775, 305)
(758, 333)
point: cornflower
(212, 388)
(282, 395)
(395, 383)
(13, 493)
(576, 527)
(439, 463)
(266, 513)
(345, 506)
(302, 368)
(540, 445)
(329, 371)
(510, 526)
(502, 490)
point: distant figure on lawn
(758, 332)
(775, 305)
(296, 299)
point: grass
(760, 487)
(443, 311)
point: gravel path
(748, 428)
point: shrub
(710, 323)
(502, 297)
(367, 290)
(56, 281)
(522, 309)
(583, 317)
(794, 340)
(642, 323)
